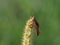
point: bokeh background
(15, 13)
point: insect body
(36, 25)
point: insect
(36, 25)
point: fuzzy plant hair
(27, 35)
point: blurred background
(15, 13)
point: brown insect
(36, 25)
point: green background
(15, 13)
